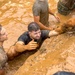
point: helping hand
(58, 19)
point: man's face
(3, 35)
(35, 34)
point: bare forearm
(11, 53)
(42, 26)
(50, 12)
(57, 18)
(53, 33)
(20, 48)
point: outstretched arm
(50, 12)
(53, 33)
(63, 27)
(59, 30)
(42, 26)
(11, 53)
(20, 47)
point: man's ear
(29, 32)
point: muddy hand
(58, 19)
(51, 28)
(70, 22)
(32, 45)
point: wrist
(26, 47)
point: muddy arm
(21, 47)
(50, 12)
(11, 53)
(59, 30)
(14, 50)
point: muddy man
(41, 13)
(34, 37)
(30, 40)
(3, 56)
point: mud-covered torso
(3, 58)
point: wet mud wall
(56, 54)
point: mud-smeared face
(35, 34)
(3, 34)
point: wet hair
(64, 73)
(33, 26)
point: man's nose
(38, 34)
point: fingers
(58, 19)
(33, 42)
(32, 45)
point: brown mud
(56, 53)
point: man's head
(3, 34)
(34, 30)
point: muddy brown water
(15, 15)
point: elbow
(11, 52)
(19, 48)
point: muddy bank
(56, 54)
